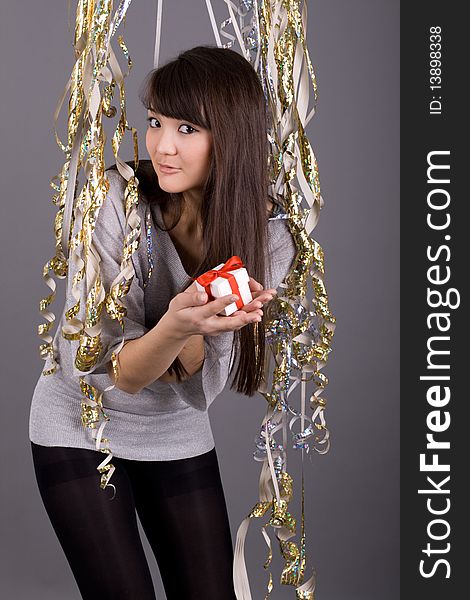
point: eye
(189, 127)
(149, 119)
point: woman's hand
(260, 297)
(191, 315)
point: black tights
(181, 507)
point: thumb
(200, 297)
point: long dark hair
(218, 89)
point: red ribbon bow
(235, 262)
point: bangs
(175, 91)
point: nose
(165, 142)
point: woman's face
(182, 145)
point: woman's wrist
(171, 327)
(145, 359)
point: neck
(189, 223)
(190, 219)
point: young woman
(203, 197)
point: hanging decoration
(91, 89)
(271, 34)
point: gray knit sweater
(164, 421)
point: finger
(237, 322)
(262, 297)
(254, 285)
(216, 306)
(257, 311)
(259, 299)
(191, 298)
(187, 301)
(251, 306)
(200, 298)
(255, 303)
(271, 291)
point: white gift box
(221, 287)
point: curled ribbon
(235, 262)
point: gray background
(352, 493)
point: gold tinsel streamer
(95, 63)
(299, 331)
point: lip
(167, 168)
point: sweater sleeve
(201, 389)
(108, 239)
